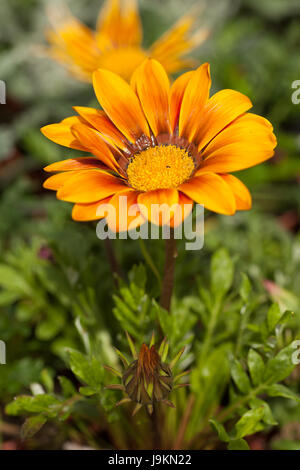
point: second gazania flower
(158, 144)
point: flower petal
(90, 186)
(152, 87)
(170, 49)
(193, 102)
(125, 212)
(212, 192)
(241, 193)
(123, 27)
(95, 144)
(87, 212)
(121, 104)
(156, 206)
(177, 91)
(81, 163)
(55, 182)
(185, 207)
(103, 124)
(72, 43)
(220, 110)
(249, 140)
(61, 134)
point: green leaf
(256, 367)
(88, 369)
(268, 417)
(285, 444)
(87, 391)
(32, 425)
(47, 380)
(238, 444)
(273, 316)
(221, 272)
(245, 288)
(280, 366)
(247, 424)
(8, 297)
(13, 281)
(221, 431)
(67, 387)
(279, 390)
(240, 377)
(48, 405)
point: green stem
(149, 261)
(168, 280)
(224, 415)
(242, 326)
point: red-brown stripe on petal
(120, 104)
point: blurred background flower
(116, 44)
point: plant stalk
(168, 279)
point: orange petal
(241, 193)
(170, 50)
(94, 142)
(152, 87)
(156, 206)
(125, 212)
(90, 186)
(121, 104)
(87, 212)
(73, 44)
(61, 134)
(212, 192)
(195, 97)
(81, 163)
(185, 207)
(55, 182)
(220, 110)
(100, 121)
(249, 140)
(177, 92)
(109, 19)
(122, 26)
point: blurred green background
(253, 48)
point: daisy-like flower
(116, 44)
(157, 144)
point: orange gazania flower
(158, 144)
(116, 44)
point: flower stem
(184, 423)
(168, 279)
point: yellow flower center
(161, 167)
(123, 60)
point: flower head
(148, 379)
(158, 145)
(116, 44)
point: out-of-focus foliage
(235, 342)
(61, 309)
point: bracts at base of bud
(148, 379)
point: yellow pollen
(161, 167)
